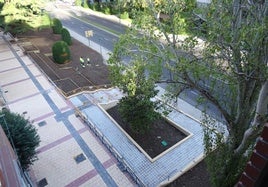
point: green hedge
(61, 52)
(57, 26)
(65, 36)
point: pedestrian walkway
(69, 153)
(146, 172)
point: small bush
(57, 26)
(124, 15)
(78, 2)
(114, 8)
(61, 52)
(95, 6)
(65, 36)
(105, 8)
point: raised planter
(164, 136)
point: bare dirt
(72, 78)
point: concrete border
(177, 126)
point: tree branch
(259, 117)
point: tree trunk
(259, 119)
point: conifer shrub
(65, 36)
(57, 26)
(61, 52)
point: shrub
(78, 2)
(114, 8)
(65, 36)
(22, 135)
(57, 26)
(124, 15)
(61, 52)
(139, 111)
(105, 8)
(95, 6)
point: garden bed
(162, 136)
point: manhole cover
(42, 123)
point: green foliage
(114, 8)
(16, 27)
(61, 52)
(137, 108)
(224, 167)
(124, 15)
(105, 8)
(227, 168)
(65, 36)
(86, 4)
(94, 6)
(139, 111)
(1, 4)
(78, 2)
(24, 136)
(227, 70)
(19, 16)
(83, 3)
(57, 26)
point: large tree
(22, 136)
(228, 70)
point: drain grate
(79, 158)
(42, 182)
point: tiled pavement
(64, 136)
(149, 173)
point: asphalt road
(105, 31)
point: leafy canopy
(137, 108)
(19, 16)
(228, 68)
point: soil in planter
(160, 137)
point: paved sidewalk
(147, 172)
(69, 153)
